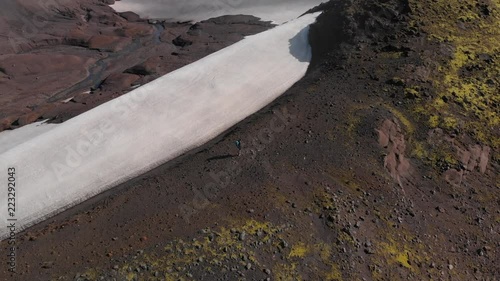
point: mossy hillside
(467, 80)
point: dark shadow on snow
(299, 45)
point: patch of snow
(153, 124)
(12, 138)
(67, 100)
(277, 11)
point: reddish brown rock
(392, 139)
(150, 66)
(130, 16)
(6, 122)
(119, 81)
(108, 43)
(484, 159)
(29, 118)
(454, 177)
(81, 98)
(135, 30)
(77, 37)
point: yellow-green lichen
(408, 125)
(466, 81)
(299, 250)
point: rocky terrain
(381, 164)
(100, 54)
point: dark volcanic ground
(353, 174)
(59, 61)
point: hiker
(238, 145)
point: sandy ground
(382, 164)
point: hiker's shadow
(220, 157)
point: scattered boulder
(119, 81)
(135, 30)
(181, 42)
(108, 2)
(108, 43)
(77, 37)
(396, 81)
(390, 137)
(6, 122)
(130, 16)
(29, 118)
(150, 66)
